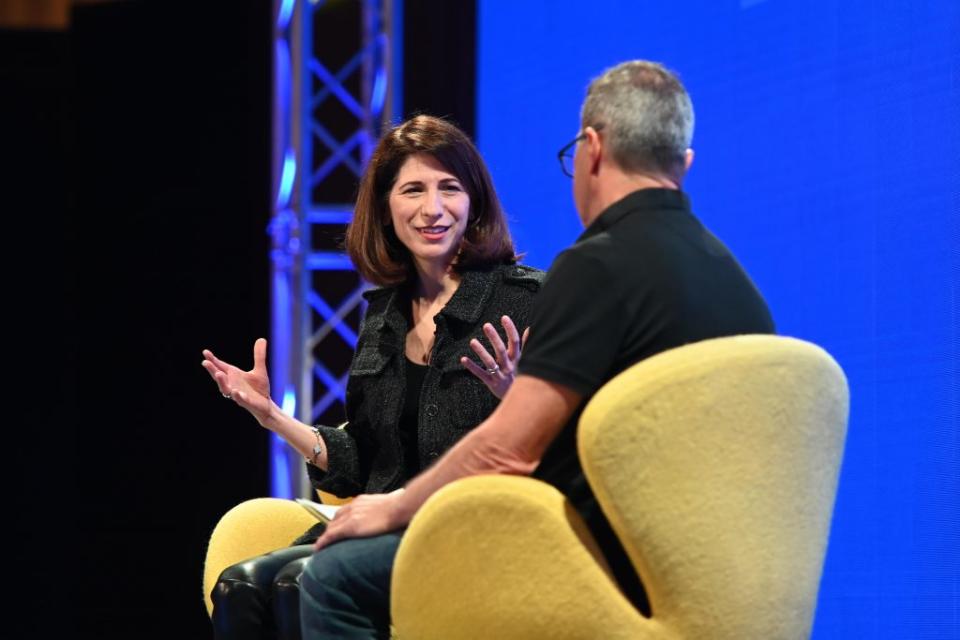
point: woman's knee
(243, 575)
(234, 580)
(239, 604)
(256, 576)
(288, 578)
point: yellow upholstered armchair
(716, 464)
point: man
(645, 276)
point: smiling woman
(429, 230)
(429, 210)
(440, 148)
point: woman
(429, 230)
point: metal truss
(333, 91)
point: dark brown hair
(372, 243)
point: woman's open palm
(249, 389)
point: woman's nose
(432, 204)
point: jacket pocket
(370, 360)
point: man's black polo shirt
(644, 277)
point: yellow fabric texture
(716, 464)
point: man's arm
(511, 441)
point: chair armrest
(505, 557)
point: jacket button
(432, 410)
(433, 455)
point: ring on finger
(492, 370)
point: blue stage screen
(828, 158)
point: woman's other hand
(497, 371)
(249, 389)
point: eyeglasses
(565, 155)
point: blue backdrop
(828, 147)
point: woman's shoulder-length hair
(371, 241)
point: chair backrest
(716, 464)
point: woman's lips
(432, 233)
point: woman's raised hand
(498, 370)
(249, 389)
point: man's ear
(687, 160)
(595, 149)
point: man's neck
(617, 185)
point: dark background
(136, 209)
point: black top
(644, 277)
(409, 417)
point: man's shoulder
(605, 249)
(638, 237)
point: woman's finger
(219, 377)
(513, 338)
(488, 361)
(496, 342)
(222, 384)
(210, 368)
(217, 362)
(476, 370)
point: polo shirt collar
(637, 202)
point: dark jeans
(345, 589)
(259, 599)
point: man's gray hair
(646, 114)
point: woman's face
(429, 210)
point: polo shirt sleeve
(577, 324)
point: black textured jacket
(366, 455)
